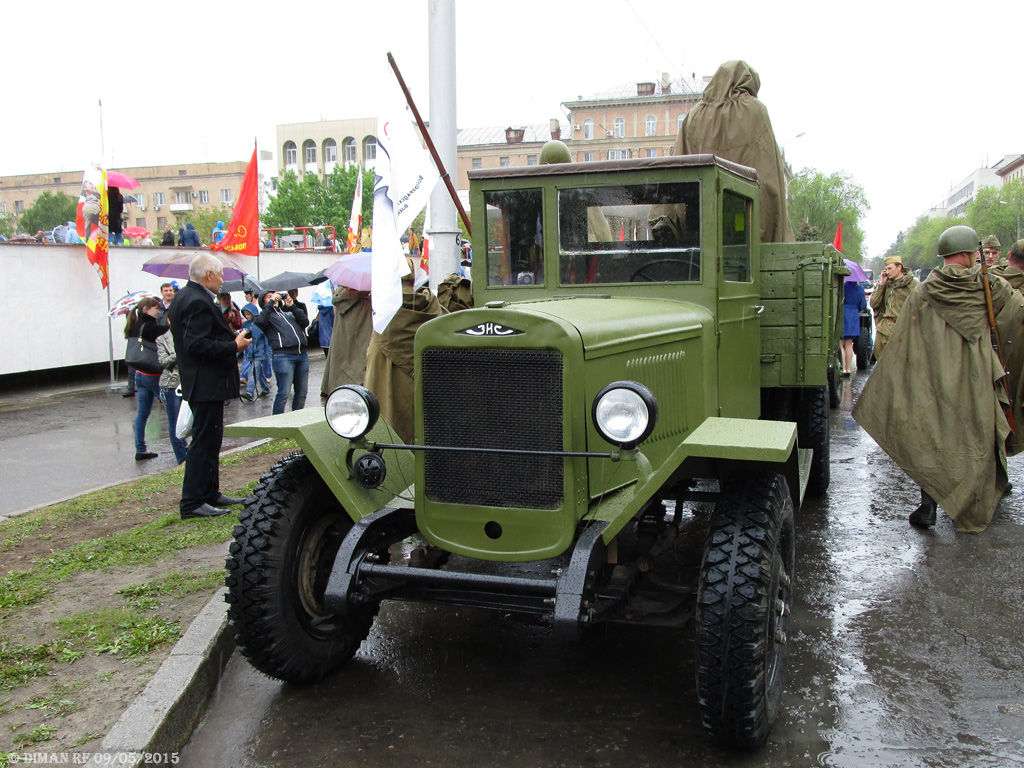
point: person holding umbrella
(854, 300)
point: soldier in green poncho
(891, 293)
(935, 401)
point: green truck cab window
(515, 238)
(736, 238)
(630, 233)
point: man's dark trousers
(202, 467)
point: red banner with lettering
(243, 231)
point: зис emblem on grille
(489, 329)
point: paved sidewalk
(60, 441)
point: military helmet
(555, 151)
(959, 239)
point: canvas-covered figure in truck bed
(732, 123)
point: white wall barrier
(53, 311)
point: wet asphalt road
(906, 651)
(60, 442)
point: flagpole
(110, 321)
(430, 146)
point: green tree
(995, 211)
(8, 225)
(314, 201)
(49, 210)
(817, 203)
(205, 219)
(919, 243)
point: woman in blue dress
(854, 301)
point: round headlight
(352, 411)
(624, 413)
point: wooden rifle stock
(990, 308)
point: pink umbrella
(176, 265)
(120, 180)
(136, 231)
(352, 270)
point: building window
(369, 149)
(588, 129)
(56, 179)
(3, 207)
(161, 222)
(204, 196)
(679, 122)
(330, 151)
(225, 195)
(620, 128)
(503, 162)
(531, 159)
(19, 206)
(309, 151)
(478, 163)
(140, 221)
(291, 154)
(651, 126)
(182, 196)
(159, 198)
(588, 157)
(618, 154)
(182, 172)
(348, 151)
(650, 153)
(273, 184)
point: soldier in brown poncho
(940, 362)
(390, 362)
(732, 123)
(891, 293)
(346, 358)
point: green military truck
(636, 360)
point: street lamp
(783, 148)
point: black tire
(863, 346)
(812, 432)
(280, 561)
(744, 604)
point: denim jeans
(291, 370)
(256, 373)
(172, 404)
(148, 389)
(116, 238)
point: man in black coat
(207, 362)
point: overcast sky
(906, 98)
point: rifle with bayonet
(995, 337)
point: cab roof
(642, 163)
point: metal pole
(442, 227)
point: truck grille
(493, 398)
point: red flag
(837, 243)
(622, 233)
(242, 238)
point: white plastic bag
(183, 428)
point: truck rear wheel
(864, 346)
(833, 381)
(744, 601)
(279, 563)
(812, 432)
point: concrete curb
(162, 717)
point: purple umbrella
(858, 274)
(176, 265)
(352, 270)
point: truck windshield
(515, 237)
(629, 233)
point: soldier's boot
(924, 515)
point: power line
(655, 40)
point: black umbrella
(286, 281)
(247, 283)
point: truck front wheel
(744, 601)
(279, 563)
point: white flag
(405, 177)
